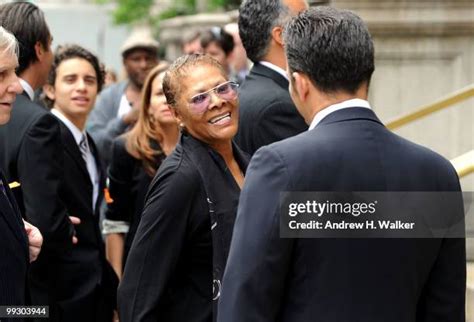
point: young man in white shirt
(74, 81)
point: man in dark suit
(85, 287)
(17, 236)
(31, 148)
(268, 278)
(267, 113)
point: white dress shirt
(355, 102)
(124, 106)
(91, 162)
(27, 88)
(279, 70)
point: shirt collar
(279, 70)
(336, 107)
(27, 88)
(74, 129)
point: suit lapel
(100, 171)
(95, 153)
(71, 147)
(11, 213)
(264, 71)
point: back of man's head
(256, 21)
(332, 47)
(26, 21)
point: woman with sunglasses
(136, 156)
(177, 260)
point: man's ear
(40, 51)
(277, 35)
(301, 85)
(49, 91)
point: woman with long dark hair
(136, 156)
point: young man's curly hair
(67, 52)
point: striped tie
(83, 147)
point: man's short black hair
(333, 47)
(257, 18)
(67, 52)
(26, 21)
(222, 38)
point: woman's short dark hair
(67, 52)
(26, 22)
(221, 37)
(179, 69)
(333, 47)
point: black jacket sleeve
(443, 295)
(40, 160)
(157, 246)
(120, 183)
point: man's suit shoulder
(262, 93)
(320, 147)
(25, 112)
(427, 159)
(29, 119)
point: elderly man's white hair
(8, 43)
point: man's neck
(132, 92)
(30, 75)
(275, 58)
(27, 89)
(131, 86)
(321, 100)
(79, 121)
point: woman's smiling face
(207, 104)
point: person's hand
(74, 221)
(131, 117)
(35, 240)
(116, 317)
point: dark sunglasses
(200, 102)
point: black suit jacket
(31, 154)
(128, 186)
(84, 284)
(269, 278)
(14, 256)
(267, 113)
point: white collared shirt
(124, 106)
(355, 102)
(91, 162)
(27, 88)
(279, 70)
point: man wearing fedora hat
(117, 106)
